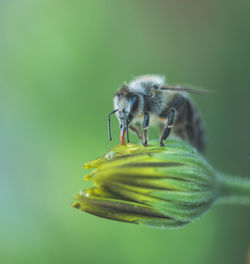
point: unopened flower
(164, 187)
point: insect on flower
(147, 99)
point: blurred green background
(60, 63)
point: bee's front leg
(137, 129)
(166, 130)
(145, 128)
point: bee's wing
(178, 88)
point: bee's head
(127, 104)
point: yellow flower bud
(164, 187)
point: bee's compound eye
(134, 103)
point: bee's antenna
(126, 125)
(111, 113)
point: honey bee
(148, 100)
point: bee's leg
(166, 131)
(145, 128)
(136, 128)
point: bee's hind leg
(166, 130)
(145, 128)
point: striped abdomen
(188, 123)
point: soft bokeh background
(60, 63)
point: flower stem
(233, 190)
